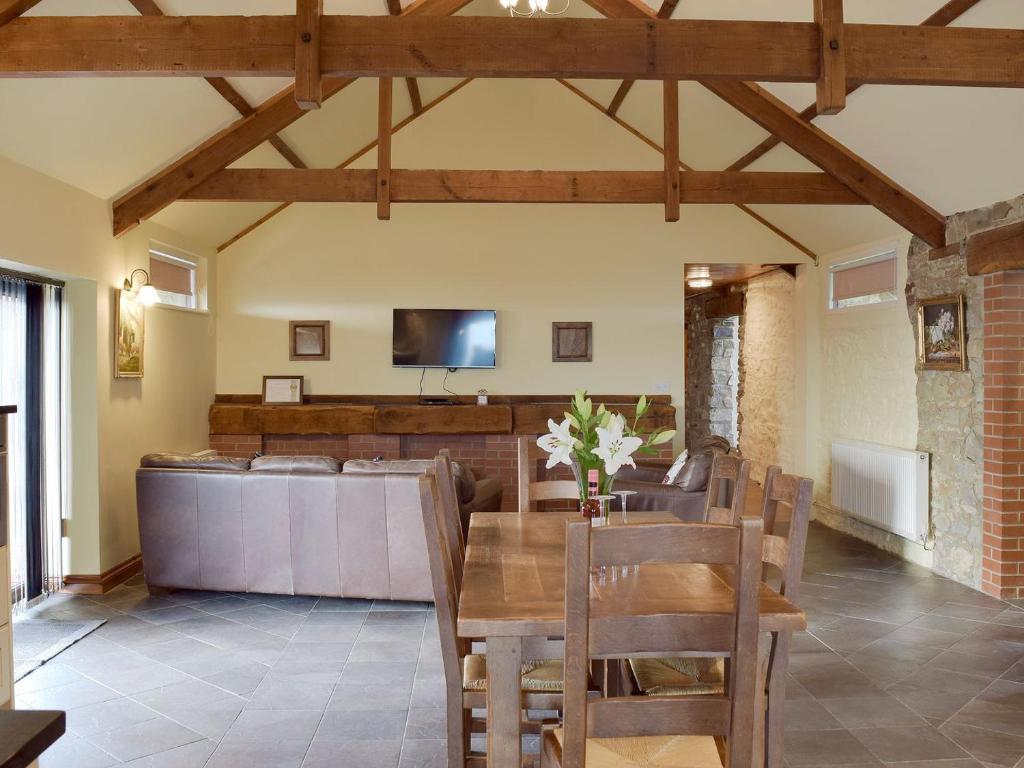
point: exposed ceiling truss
(325, 53)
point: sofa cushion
(695, 473)
(188, 461)
(313, 465)
(465, 480)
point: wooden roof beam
(481, 46)
(308, 81)
(944, 16)
(490, 186)
(411, 85)
(831, 85)
(384, 131)
(996, 250)
(264, 123)
(664, 12)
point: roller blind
(865, 279)
(174, 276)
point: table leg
(504, 713)
(774, 726)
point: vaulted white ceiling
(956, 148)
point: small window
(174, 277)
(864, 280)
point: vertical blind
(32, 378)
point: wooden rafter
(664, 12)
(263, 123)
(821, 149)
(831, 84)
(411, 84)
(229, 93)
(308, 81)
(345, 163)
(886, 195)
(945, 15)
(12, 9)
(671, 121)
(996, 250)
(478, 46)
(384, 130)
(490, 186)
(658, 148)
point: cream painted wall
(618, 266)
(51, 228)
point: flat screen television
(443, 338)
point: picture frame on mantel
(941, 338)
(309, 340)
(283, 390)
(572, 342)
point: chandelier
(533, 8)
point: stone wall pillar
(1003, 511)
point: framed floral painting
(941, 341)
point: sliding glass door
(32, 378)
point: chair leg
(776, 700)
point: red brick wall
(487, 455)
(1003, 533)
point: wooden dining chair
(451, 518)
(782, 560)
(530, 492)
(465, 673)
(709, 731)
(727, 486)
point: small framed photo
(309, 340)
(941, 341)
(572, 342)
(282, 390)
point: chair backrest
(545, 490)
(735, 631)
(726, 484)
(452, 528)
(446, 603)
(786, 553)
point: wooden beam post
(12, 9)
(831, 86)
(308, 87)
(671, 106)
(384, 129)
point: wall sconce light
(146, 293)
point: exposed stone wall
(768, 397)
(951, 404)
(712, 374)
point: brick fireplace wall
(487, 455)
(1003, 512)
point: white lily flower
(614, 448)
(559, 443)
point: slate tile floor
(900, 668)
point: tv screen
(443, 338)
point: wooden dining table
(513, 595)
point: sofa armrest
(688, 506)
(642, 474)
(487, 497)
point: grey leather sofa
(290, 525)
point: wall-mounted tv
(443, 338)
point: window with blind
(863, 280)
(174, 277)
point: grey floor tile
(71, 751)
(142, 739)
(80, 694)
(303, 666)
(872, 712)
(361, 725)
(192, 755)
(397, 696)
(273, 753)
(342, 604)
(424, 753)
(309, 633)
(969, 664)
(367, 753)
(242, 680)
(327, 652)
(283, 692)
(107, 715)
(987, 746)
(993, 717)
(380, 673)
(396, 618)
(820, 748)
(892, 745)
(168, 615)
(256, 724)
(401, 605)
(49, 675)
(426, 724)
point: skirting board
(100, 584)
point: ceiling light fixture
(533, 8)
(699, 277)
(700, 282)
(146, 293)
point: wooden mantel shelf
(395, 415)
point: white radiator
(885, 487)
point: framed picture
(941, 343)
(309, 340)
(282, 390)
(129, 336)
(572, 342)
